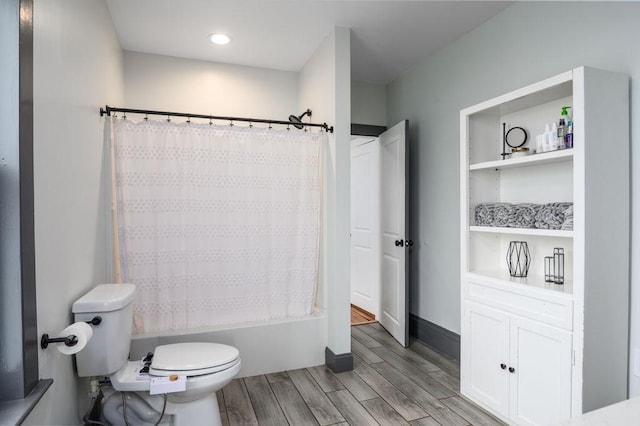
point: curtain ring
(288, 127)
(231, 123)
(168, 118)
(270, 126)
(124, 116)
(188, 119)
(210, 121)
(146, 117)
(250, 125)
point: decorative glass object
(548, 269)
(518, 259)
(558, 265)
(554, 267)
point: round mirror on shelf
(516, 137)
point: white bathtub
(266, 347)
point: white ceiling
(387, 37)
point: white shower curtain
(216, 224)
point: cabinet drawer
(546, 308)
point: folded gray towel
(524, 215)
(567, 225)
(503, 215)
(551, 215)
(484, 214)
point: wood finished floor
(359, 316)
(390, 385)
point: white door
(541, 378)
(394, 238)
(365, 224)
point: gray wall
(527, 42)
(208, 87)
(77, 68)
(368, 103)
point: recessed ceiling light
(219, 38)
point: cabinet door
(540, 388)
(485, 351)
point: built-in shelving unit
(532, 351)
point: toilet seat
(193, 359)
(201, 362)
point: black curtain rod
(108, 110)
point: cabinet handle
(399, 243)
(409, 243)
(511, 369)
(503, 366)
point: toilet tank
(108, 350)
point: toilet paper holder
(71, 340)
(68, 341)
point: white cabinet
(519, 368)
(540, 373)
(486, 356)
(561, 340)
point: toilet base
(144, 409)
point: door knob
(511, 369)
(399, 243)
(409, 243)
(503, 366)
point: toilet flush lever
(95, 320)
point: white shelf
(522, 231)
(529, 160)
(538, 93)
(532, 281)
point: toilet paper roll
(82, 331)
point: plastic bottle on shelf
(562, 130)
(568, 139)
(540, 143)
(546, 142)
(562, 127)
(553, 137)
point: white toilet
(208, 366)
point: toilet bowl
(208, 367)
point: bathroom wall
(368, 103)
(184, 85)
(77, 68)
(527, 42)
(325, 87)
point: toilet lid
(192, 359)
